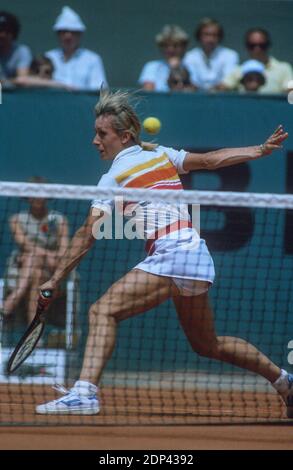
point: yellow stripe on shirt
(142, 166)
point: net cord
(205, 198)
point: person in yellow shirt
(277, 74)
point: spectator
(172, 41)
(15, 58)
(42, 67)
(40, 75)
(277, 74)
(74, 66)
(41, 236)
(210, 62)
(179, 79)
(253, 77)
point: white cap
(252, 66)
(68, 20)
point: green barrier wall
(50, 134)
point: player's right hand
(44, 302)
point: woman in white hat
(76, 67)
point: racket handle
(45, 296)
(47, 293)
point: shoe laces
(66, 391)
(61, 389)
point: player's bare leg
(135, 293)
(196, 318)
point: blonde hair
(124, 117)
(172, 32)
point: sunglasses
(254, 45)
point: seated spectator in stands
(277, 74)
(179, 79)
(41, 236)
(253, 77)
(42, 67)
(76, 67)
(172, 41)
(15, 58)
(40, 75)
(210, 62)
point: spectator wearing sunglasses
(40, 75)
(277, 74)
(179, 79)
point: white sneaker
(72, 403)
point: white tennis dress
(174, 247)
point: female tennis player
(178, 264)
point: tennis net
(153, 376)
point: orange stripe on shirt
(169, 172)
(142, 166)
(165, 185)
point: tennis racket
(29, 340)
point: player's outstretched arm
(233, 156)
(80, 244)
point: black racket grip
(47, 293)
(44, 295)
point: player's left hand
(274, 142)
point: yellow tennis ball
(152, 125)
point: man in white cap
(76, 67)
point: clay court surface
(148, 420)
(205, 437)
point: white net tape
(207, 198)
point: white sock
(281, 384)
(85, 388)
